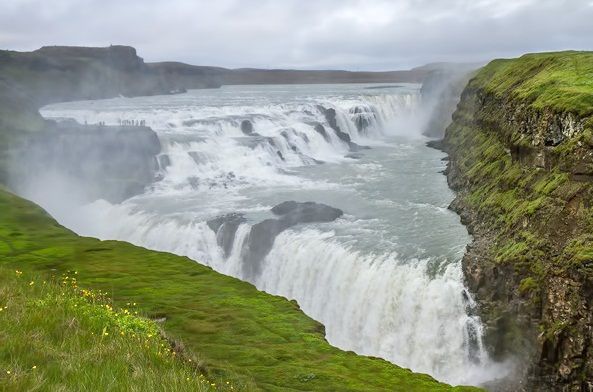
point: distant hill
(61, 73)
(188, 75)
(284, 76)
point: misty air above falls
(384, 277)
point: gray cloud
(353, 34)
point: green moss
(528, 285)
(254, 340)
(550, 182)
(551, 331)
(512, 251)
(532, 204)
(561, 81)
(580, 249)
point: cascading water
(385, 278)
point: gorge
(328, 195)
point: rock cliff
(95, 161)
(521, 160)
(111, 162)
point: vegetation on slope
(511, 193)
(56, 336)
(520, 148)
(562, 81)
(252, 339)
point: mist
(296, 146)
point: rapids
(385, 278)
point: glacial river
(385, 278)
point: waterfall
(227, 151)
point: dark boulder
(306, 212)
(290, 213)
(330, 117)
(225, 228)
(247, 127)
(260, 242)
(362, 122)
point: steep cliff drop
(520, 158)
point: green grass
(254, 340)
(561, 81)
(57, 337)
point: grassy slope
(562, 81)
(253, 339)
(57, 337)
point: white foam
(379, 304)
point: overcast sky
(345, 34)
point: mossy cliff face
(521, 159)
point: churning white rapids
(385, 278)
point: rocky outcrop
(108, 162)
(225, 228)
(290, 213)
(330, 117)
(64, 73)
(320, 129)
(262, 235)
(112, 163)
(521, 164)
(247, 127)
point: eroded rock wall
(523, 176)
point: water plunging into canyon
(384, 278)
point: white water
(385, 279)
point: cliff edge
(521, 160)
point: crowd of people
(132, 123)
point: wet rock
(290, 213)
(306, 212)
(225, 228)
(320, 129)
(330, 117)
(247, 127)
(362, 117)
